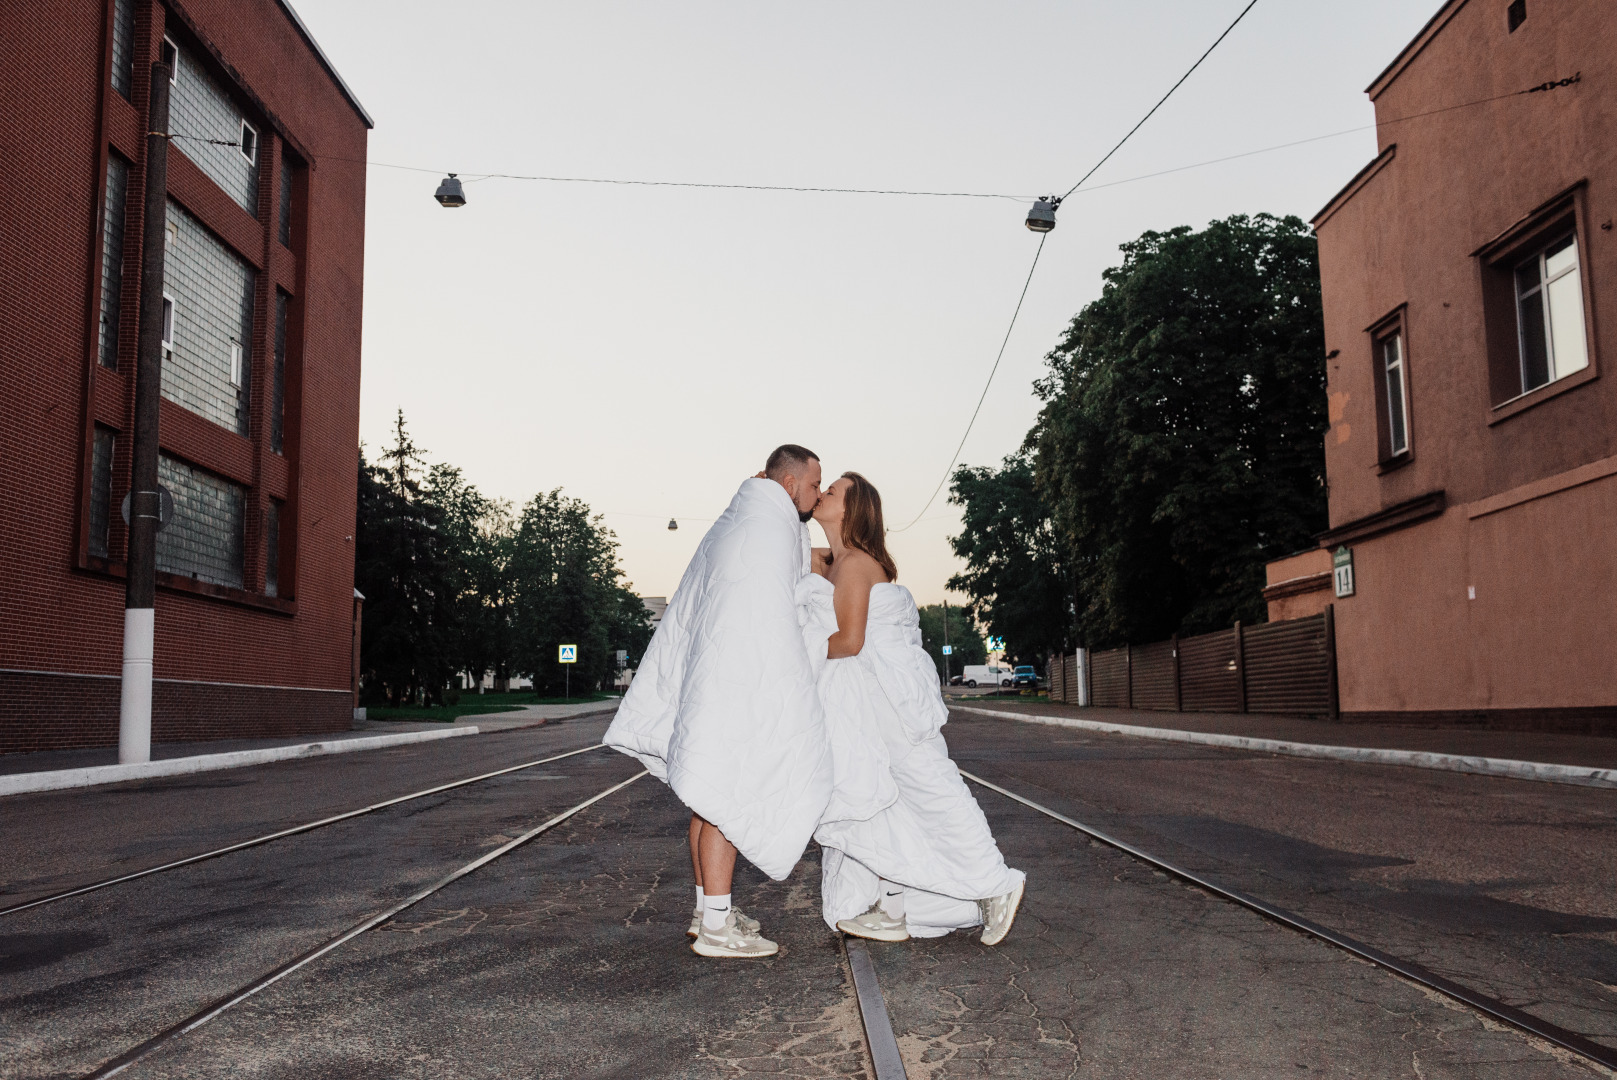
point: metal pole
(945, 640)
(135, 703)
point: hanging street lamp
(451, 194)
(673, 525)
(1042, 218)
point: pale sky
(644, 348)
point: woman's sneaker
(749, 925)
(733, 939)
(999, 912)
(876, 925)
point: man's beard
(804, 515)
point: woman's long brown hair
(862, 525)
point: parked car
(987, 675)
(1025, 676)
(956, 680)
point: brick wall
(60, 609)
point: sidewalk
(54, 769)
(1586, 759)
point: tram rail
(275, 975)
(1492, 1007)
(282, 834)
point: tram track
(1492, 1007)
(222, 1004)
(282, 834)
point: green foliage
(405, 568)
(964, 636)
(1180, 444)
(566, 589)
(454, 584)
(1014, 570)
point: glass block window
(278, 376)
(285, 224)
(112, 257)
(204, 541)
(208, 371)
(200, 108)
(101, 489)
(123, 46)
(272, 549)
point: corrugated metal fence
(1280, 667)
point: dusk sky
(643, 348)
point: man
(723, 706)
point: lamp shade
(450, 193)
(1042, 218)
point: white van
(987, 675)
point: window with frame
(112, 258)
(272, 548)
(1549, 314)
(123, 49)
(101, 452)
(1395, 392)
(204, 541)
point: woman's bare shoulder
(856, 566)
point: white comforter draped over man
(723, 707)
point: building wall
(229, 661)
(1408, 244)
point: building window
(1396, 394)
(285, 224)
(278, 377)
(123, 49)
(203, 116)
(112, 258)
(209, 367)
(1516, 14)
(101, 489)
(204, 541)
(168, 328)
(1549, 315)
(272, 548)
(171, 58)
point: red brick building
(259, 418)
(1470, 292)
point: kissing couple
(786, 696)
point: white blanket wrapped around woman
(723, 706)
(899, 809)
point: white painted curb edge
(18, 783)
(1420, 759)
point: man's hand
(760, 475)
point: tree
(964, 637)
(474, 529)
(1180, 443)
(1014, 571)
(567, 589)
(403, 565)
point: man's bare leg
(696, 872)
(716, 861)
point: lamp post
(145, 500)
(945, 640)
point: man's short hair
(787, 460)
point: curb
(1419, 759)
(89, 776)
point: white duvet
(723, 706)
(899, 809)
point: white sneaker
(876, 925)
(733, 939)
(999, 912)
(695, 929)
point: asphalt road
(567, 957)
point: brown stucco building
(264, 260)
(1470, 293)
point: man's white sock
(892, 900)
(715, 909)
(699, 904)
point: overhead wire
(1008, 330)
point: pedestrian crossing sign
(567, 654)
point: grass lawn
(477, 705)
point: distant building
(264, 234)
(1470, 294)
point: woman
(907, 851)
